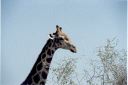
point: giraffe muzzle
(73, 49)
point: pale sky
(27, 23)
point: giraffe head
(61, 40)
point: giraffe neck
(39, 72)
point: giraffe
(39, 72)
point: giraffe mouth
(73, 50)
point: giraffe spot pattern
(36, 78)
(42, 83)
(44, 75)
(49, 60)
(52, 51)
(43, 55)
(39, 66)
(50, 44)
(60, 43)
(46, 47)
(49, 52)
(57, 40)
(47, 68)
(30, 81)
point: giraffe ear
(51, 36)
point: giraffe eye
(61, 39)
(66, 39)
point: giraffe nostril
(44, 75)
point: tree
(109, 68)
(64, 72)
(112, 69)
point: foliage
(112, 69)
(109, 68)
(64, 72)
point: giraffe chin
(74, 51)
